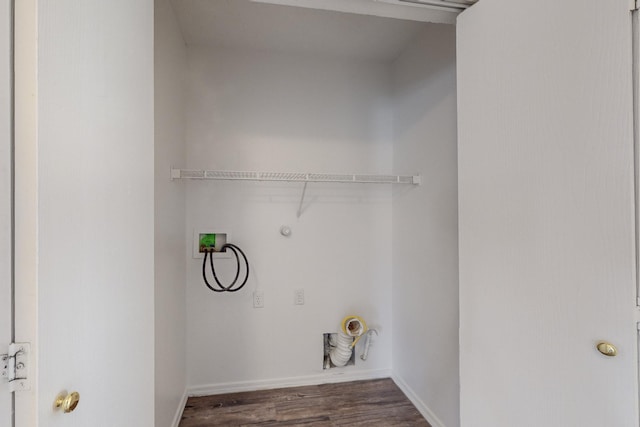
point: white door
(546, 214)
(5, 202)
(84, 210)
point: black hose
(223, 288)
(204, 274)
(215, 276)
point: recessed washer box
(207, 239)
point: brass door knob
(67, 402)
(607, 349)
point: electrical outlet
(258, 299)
(298, 297)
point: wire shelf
(293, 177)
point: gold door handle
(67, 402)
(607, 349)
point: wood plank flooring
(359, 403)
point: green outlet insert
(207, 242)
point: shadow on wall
(422, 80)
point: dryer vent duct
(343, 342)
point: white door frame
(6, 285)
(25, 202)
(635, 18)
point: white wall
(425, 258)
(249, 110)
(170, 265)
(95, 229)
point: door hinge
(633, 4)
(14, 366)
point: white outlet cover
(258, 299)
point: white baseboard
(417, 402)
(180, 410)
(331, 376)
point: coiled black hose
(223, 288)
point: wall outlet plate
(258, 299)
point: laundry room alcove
(252, 86)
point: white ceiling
(248, 25)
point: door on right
(546, 214)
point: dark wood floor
(360, 403)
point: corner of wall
(422, 407)
(180, 410)
(425, 234)
(169, 217)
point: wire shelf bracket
(293, 177)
